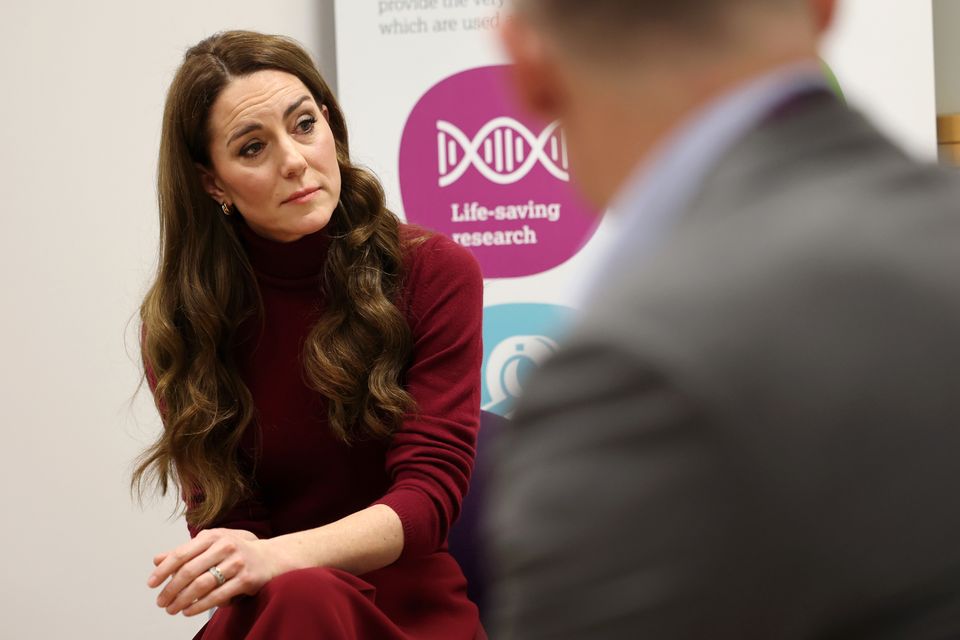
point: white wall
(882, 53)
(82, 92)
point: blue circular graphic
(517, 339)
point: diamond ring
(215, 572)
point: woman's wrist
(361, 542)
(286, 554)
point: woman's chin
(290, 230)
(315, 221)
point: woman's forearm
(361, 542)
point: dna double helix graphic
(503, 150)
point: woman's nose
(292, 161)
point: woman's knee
(316, 587)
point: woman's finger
(177, 557)
(216, 598)
(193, 569)
(204, 584)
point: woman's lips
(301, 197)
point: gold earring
(226, 208)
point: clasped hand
(242, 559)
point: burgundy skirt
(413, 599)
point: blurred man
(754, 429)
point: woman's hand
(241, 558)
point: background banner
(427, 99)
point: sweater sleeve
(248, 514)
(431, 456)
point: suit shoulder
(790, 295)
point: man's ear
(535, 72)
(210, 183)
(823, 12)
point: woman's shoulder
(439, 274)
(429, 253)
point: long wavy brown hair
(205, 291)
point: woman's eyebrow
(256, 125)
(293, 107)
(244, 131)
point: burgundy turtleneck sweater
(304, 476)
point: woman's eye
(305, 124)
(252, 149)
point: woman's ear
(210, 183)
(325, 112)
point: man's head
(620, 74)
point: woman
(316, 364)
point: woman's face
(273, 156)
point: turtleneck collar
(301, 259)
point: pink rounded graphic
(475, 166)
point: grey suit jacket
(753, 432)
